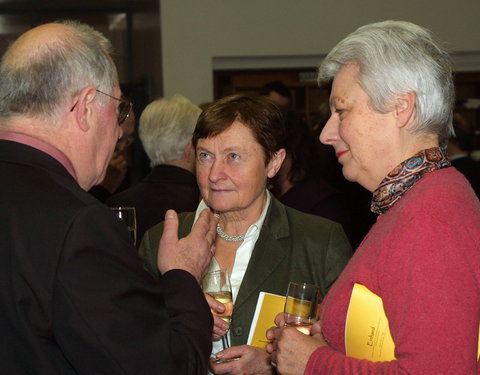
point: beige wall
(200, 34)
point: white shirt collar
(242, 257)
(244, 252)
(254, 227)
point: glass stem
(225, 342)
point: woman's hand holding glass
(289, 348)
(301, 306)
(217, 285)
(242, 359)
(220, 326)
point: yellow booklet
(268, 306)
(367, 335)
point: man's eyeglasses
(124, 107)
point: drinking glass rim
(303, 284)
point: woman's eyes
(203, 155)
(234, 156)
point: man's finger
(170, 229)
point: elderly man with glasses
(75, 298)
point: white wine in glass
(301, 306)
(217, 284)
(226, 299)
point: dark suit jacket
(74, 297)
(165, 187)
(292, 246)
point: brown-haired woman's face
(231, 170)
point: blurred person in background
(119, 163)
(165, 129)
(278, 93)
(459, 147)
(299, 182)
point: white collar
(252, 228)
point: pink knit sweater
(423, 258)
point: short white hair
(398, 57)
(166, 126)
(53, 72)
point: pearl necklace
(225, 236)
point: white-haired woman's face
(364, 139)
(231, 170)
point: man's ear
(84, 107)
(405, 108)
(276, 162)
(188, 151)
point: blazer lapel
(270, 250)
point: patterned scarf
(404, 176)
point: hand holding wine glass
(301, 306)
(220, 327)
(217, 285)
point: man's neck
(41, 145)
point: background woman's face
(364, 139)
(106, 133)
(231, 171)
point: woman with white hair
(392, 98)
(166, 128)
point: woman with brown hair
(263, 244)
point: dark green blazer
(292, 246)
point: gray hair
(397, 57)
(166, 126)
(39, 81)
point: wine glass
(301, 306)
(217, 284)
(128, 216)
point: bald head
(33, 45)
(49, 64)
